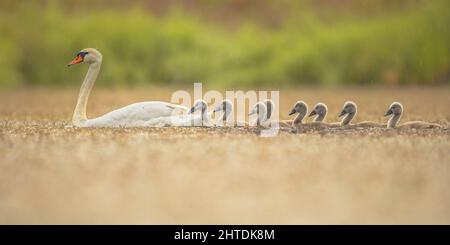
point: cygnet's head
(260, 108)
(200, 105)
(225, 105)
(348, 108)
(300, 107)
(395, 109)
(320, 109)
(87, 55)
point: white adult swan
(189, 120)
(128, 116)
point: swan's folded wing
(139, 113)
(177, 109)
(174, 121)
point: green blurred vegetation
(408, 44)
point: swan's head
(269, 106)
(225, 106)
(300, 107)
(200, 105)
(319, 109)
(260, 108)
(88, 55)
(348, 108)
(395, 109)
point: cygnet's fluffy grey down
(260, 110)
(320, 111)
(270, 107)
(348, 113)
(396, 111)
(227, 107)
(301, 108)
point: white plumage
(134, 115)
(190, 120)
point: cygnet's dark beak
(313, 112)
(389, 112)
(292, 112)
(343, 112)
(192, 110)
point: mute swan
(227, 107)
(261, 110)
(320, 110)
(396, 110)
(132, 115)
(184, 120)
(349, 110)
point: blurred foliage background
(230, 43)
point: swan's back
(182, 120)
(175, 121)
(137, 114)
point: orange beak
(77, 60)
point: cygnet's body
(396, 111)
(349, 111)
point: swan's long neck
(298, 119)
(320, 117)
(204, 115)
(262, 116)
(347, 119)
(393, 121)
(226, 114)
(79, 115)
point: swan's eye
(82, 54)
